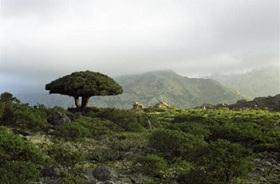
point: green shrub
(173, 143)
(249, 134)
(219, 162)
(86, 127)
(152, 165)
(102, 155)
(100, 128)
(66, 155)
(189, 118)
(129, 121)
(14, 172)
(72, 131)
(23, 116)
(19, 160)
(191, 128)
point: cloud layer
(40, 40)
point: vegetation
(152, 87)
(215, 146)
(84, 85)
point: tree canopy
(7, 97)
(84, 84)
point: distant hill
(150, 88)
(271, 103)
(255, 83)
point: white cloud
(50, 38)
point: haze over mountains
(255, 83)
(152, 87)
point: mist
(42, 40)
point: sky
(41, 40)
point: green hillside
(256, 83)
(180, 146)
(152, 87)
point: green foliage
(19, 160)
(7, 97)
(152, 165)
(185, 146)
(15, 172)
(129, 121)
(173, 143)
(72, 131)
(220, 162)
(66, 155)
(86, 127)
(85, 84)
(103, 154)
(23, 116)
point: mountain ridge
(254, 83)
(150, 88)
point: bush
(19, 172)
(251, 135)
(19, 160)
(189, 118)
(86, 127)
(173, 143)
(129, 121)
(72, 131)
(65, 154)
(152, 165)
(195, 129)
(23, 116)
(100, 128)
(219, 162)
(103, 155)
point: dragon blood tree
(84, 85)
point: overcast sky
(41, 40)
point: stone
(162, 105)
(137, 106)
(103, 173)
(108, 182)
(50, 172)
(137, 179)
(58, 118)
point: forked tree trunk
(77, 102)
(85, 100)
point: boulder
(58, 118)
(162, 105)
(103, 173)
(137, 106)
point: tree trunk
(77, 102)
(85, 100)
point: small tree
(7, 97)
(85, 85)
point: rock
(50, 172)
(103, 173)
(137, 106)
(26, 133)
(137, 179)
(108, 182)
(58, 118)
(162, 105)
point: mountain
(271, 103)
(255, 83)
(152, 87)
